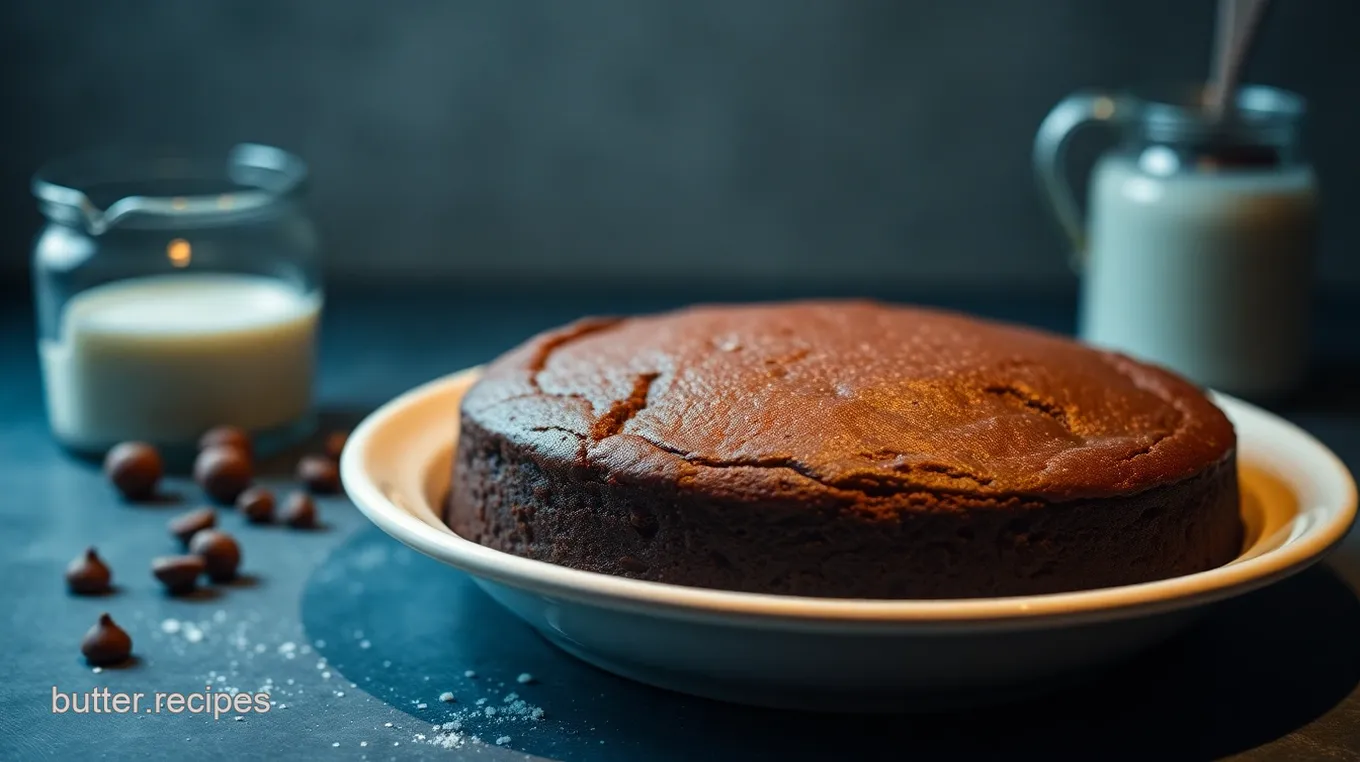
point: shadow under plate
(1255, 669)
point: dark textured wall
(666, 138)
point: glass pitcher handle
(271, 172)
(1077, 110)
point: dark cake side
(618, 447)
(808, 539)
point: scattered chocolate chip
(257, 505)
(179, 574)
(219, 552)
(223, 472)
(106, 643)
(319, 473)
(300, 511)
(134, 468)
(88, 575)
(184, 527)
(628, 563)
(335, 444)
(227, 436)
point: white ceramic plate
(819, 653)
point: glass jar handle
(1077, 110)
(267, 173)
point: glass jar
(1196, 250)
(174, 295)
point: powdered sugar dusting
(252, 651)
(482, 715)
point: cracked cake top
(853, 395)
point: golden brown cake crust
(886, 435)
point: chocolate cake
(843, 449)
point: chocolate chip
(335, 444)
(643, 523)
(134, 468)
(257, 505)
(223, 472)
(628, 563)
(184, 527)
(300, 511)
(179, 574)
(219, 552)
(88, 575)
(106, 643)
(227, 436)
(319, 473)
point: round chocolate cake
(843, 449)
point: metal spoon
(1237, 24)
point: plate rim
(802, 612)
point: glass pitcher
(174, 295)
(1196, 248)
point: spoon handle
(1237, 24)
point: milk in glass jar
(174, 295)
(1196, 251)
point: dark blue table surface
(357, 636)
